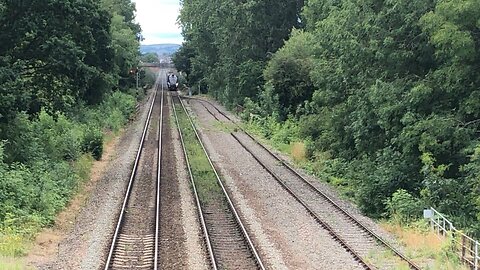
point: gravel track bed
(286, 235)
(355, 236)
(88, 241)
(138, 227)
(322, 186)
(194, 243)
(228, 243)
(172, 235)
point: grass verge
(205, 180)
(425, 246)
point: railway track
(135, 242)
(352, 234)
(227, 241)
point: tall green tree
(232, 42)
(125, 33)
(60, 49)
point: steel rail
(230, 203)
(197, 200)
(411, 264)
(378, 238)
(159, 170)
(130, 183)
(322, 223)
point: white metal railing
(469, 247)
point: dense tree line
(64, 78)
(56, 53)
(228, 43)
(386, 94)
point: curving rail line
(213, 227)
(333, 204)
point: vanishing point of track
(228, 243)
(135, 240)
(342, 225)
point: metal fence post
(438, 225)
(432, 222)
(476, 255)
(443, 227)
(463, 247)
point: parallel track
(135, 240)
(343, 226)
(228, 243)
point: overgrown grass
(205, 180)
(83, 166)
(386, 258)
(425, 246)
(225, 127)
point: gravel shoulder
(328, 190)
(89, 238)
(83, 242)
(286, 236)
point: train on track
(172, 82)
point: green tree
(125, 33)
(62, 61)
(287, 75)
(231, 42)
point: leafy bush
(123, 102)
(43, 160)
(93, 142)
(58, 136)
(403, 207)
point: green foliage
(287, 76)
(394, 88)
(228, 43)
(43, 161)
(59, 62)
(116, 110)
(38, 190)
(183, 61)
(125, 35)
(63, 61)
(403, 207)
(86, 49)
(383, 93)
(149, 58)
(93, 142)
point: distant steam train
(172, 82)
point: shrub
(125, 103)
(59, 138)
(42, 161)
(93, 142)
(403, 207)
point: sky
(158, 20)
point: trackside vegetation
(381, 96)
(65, 82)
(204, 177)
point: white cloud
(158, 20)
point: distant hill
(160, 49)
